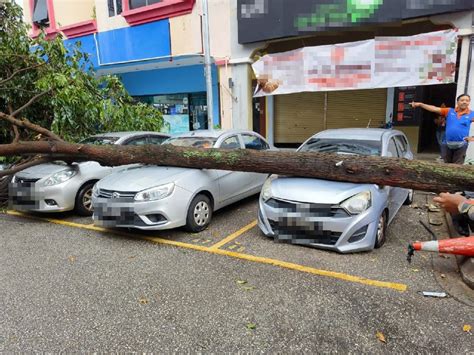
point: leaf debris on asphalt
(251, 326)
(381, 337)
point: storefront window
(182, 112)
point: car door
(396, 195)
(254, 142)
(231, 183)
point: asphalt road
(69, 287)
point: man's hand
(450, 202)
(469, 139)
(415, 104)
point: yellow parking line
(248, 257)
(234, 235)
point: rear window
(99, 140)
(342, 146)
(195, 142)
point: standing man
(458, 123)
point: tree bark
(419, 175)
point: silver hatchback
(59, 187)
(339, 216)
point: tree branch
(19, 71)
(28, 125)
(23, 166)
(418, 175)
(32, 100)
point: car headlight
(267, 188)
(155, 193)
(358, 203)
(60, 177)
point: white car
(159, 197)
(59, 187)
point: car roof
(370, 134)
(215, 133)
(128, 134)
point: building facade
(155, 47)
(275, 27)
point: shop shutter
(356, 108)
(298, 116)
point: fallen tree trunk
(419, 175)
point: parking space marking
(236, 255)
(234, 235)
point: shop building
(272, 28)
(154, 46)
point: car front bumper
(37, 198)
(167, 213)
(344, 234)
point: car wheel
(380, 234)
(83, 204)
(199, 214)
(409, 198)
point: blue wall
(172, 81)
(87, 46)
(134, 43)
(144, 42)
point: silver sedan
(158, 197)
(59, 187)
(344, 217)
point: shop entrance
(259, 117)
(434, 95)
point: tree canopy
(55, 87)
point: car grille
(25, 181)
(309, 209)
(122, 195)
(310, 233)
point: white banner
(378, 63)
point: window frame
(162, 10)
(392, 139)
(115, 7)
(52, 30)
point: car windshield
(342, 146)
(99, 140)
(195, 142)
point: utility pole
(207, 65)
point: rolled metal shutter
(356, 108)
(298, 116)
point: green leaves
(78, 103)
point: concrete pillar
(270, 104)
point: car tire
(199, 214)
(409, 200)
(381, 232)
(83, 205)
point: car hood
(140, 178)
(315, 190)
(43, 170)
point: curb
(465, 264)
